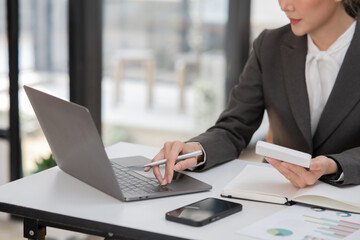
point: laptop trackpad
(135, 163)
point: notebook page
(261, 180)
(344, 194)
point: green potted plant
(45, 163)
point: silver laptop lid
(74, 141)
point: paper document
(306, 223)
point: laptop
(79, 151)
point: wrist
(196, 146)
(332, 166)
(199, 158)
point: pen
(180, 157)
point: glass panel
(4, 96)
(266, 14)
(4, 69)
(164, 68)
(43, 58)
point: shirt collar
(342, 42)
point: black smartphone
(203, 212)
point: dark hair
(352, 7)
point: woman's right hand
(170, 151)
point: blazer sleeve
(240, 119)
(350, 164)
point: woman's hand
(170, 151)
(302, 177)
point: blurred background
(165, 70)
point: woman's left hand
(302, 177)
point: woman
(306, 76)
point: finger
(298, 170)
(156, 169)
(158, 156)
(308, 175)
(292, 176)
(188, 163)
(286, 168)
(288, 174)
(157, 174)
(171, 152)
(274, 162)
(298, 176)
(277, 165)
(304, 177)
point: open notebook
(266, 184)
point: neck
(332, 29)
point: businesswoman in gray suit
(307, 76)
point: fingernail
(177, 168)
(164, 182)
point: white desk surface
(57, 192)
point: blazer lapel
(293, 52)
(345, 93)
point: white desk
(53, 197)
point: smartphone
(203, 212)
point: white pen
(180, 157)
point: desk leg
(33, 231)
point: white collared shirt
(321, 70)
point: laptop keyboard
(132, 183)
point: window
(164, 68)
(4, 79)
(4, 96)
(266, 14)
(43, 58)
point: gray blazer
(274, 79)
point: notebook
(266, 184)
(79, 151)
